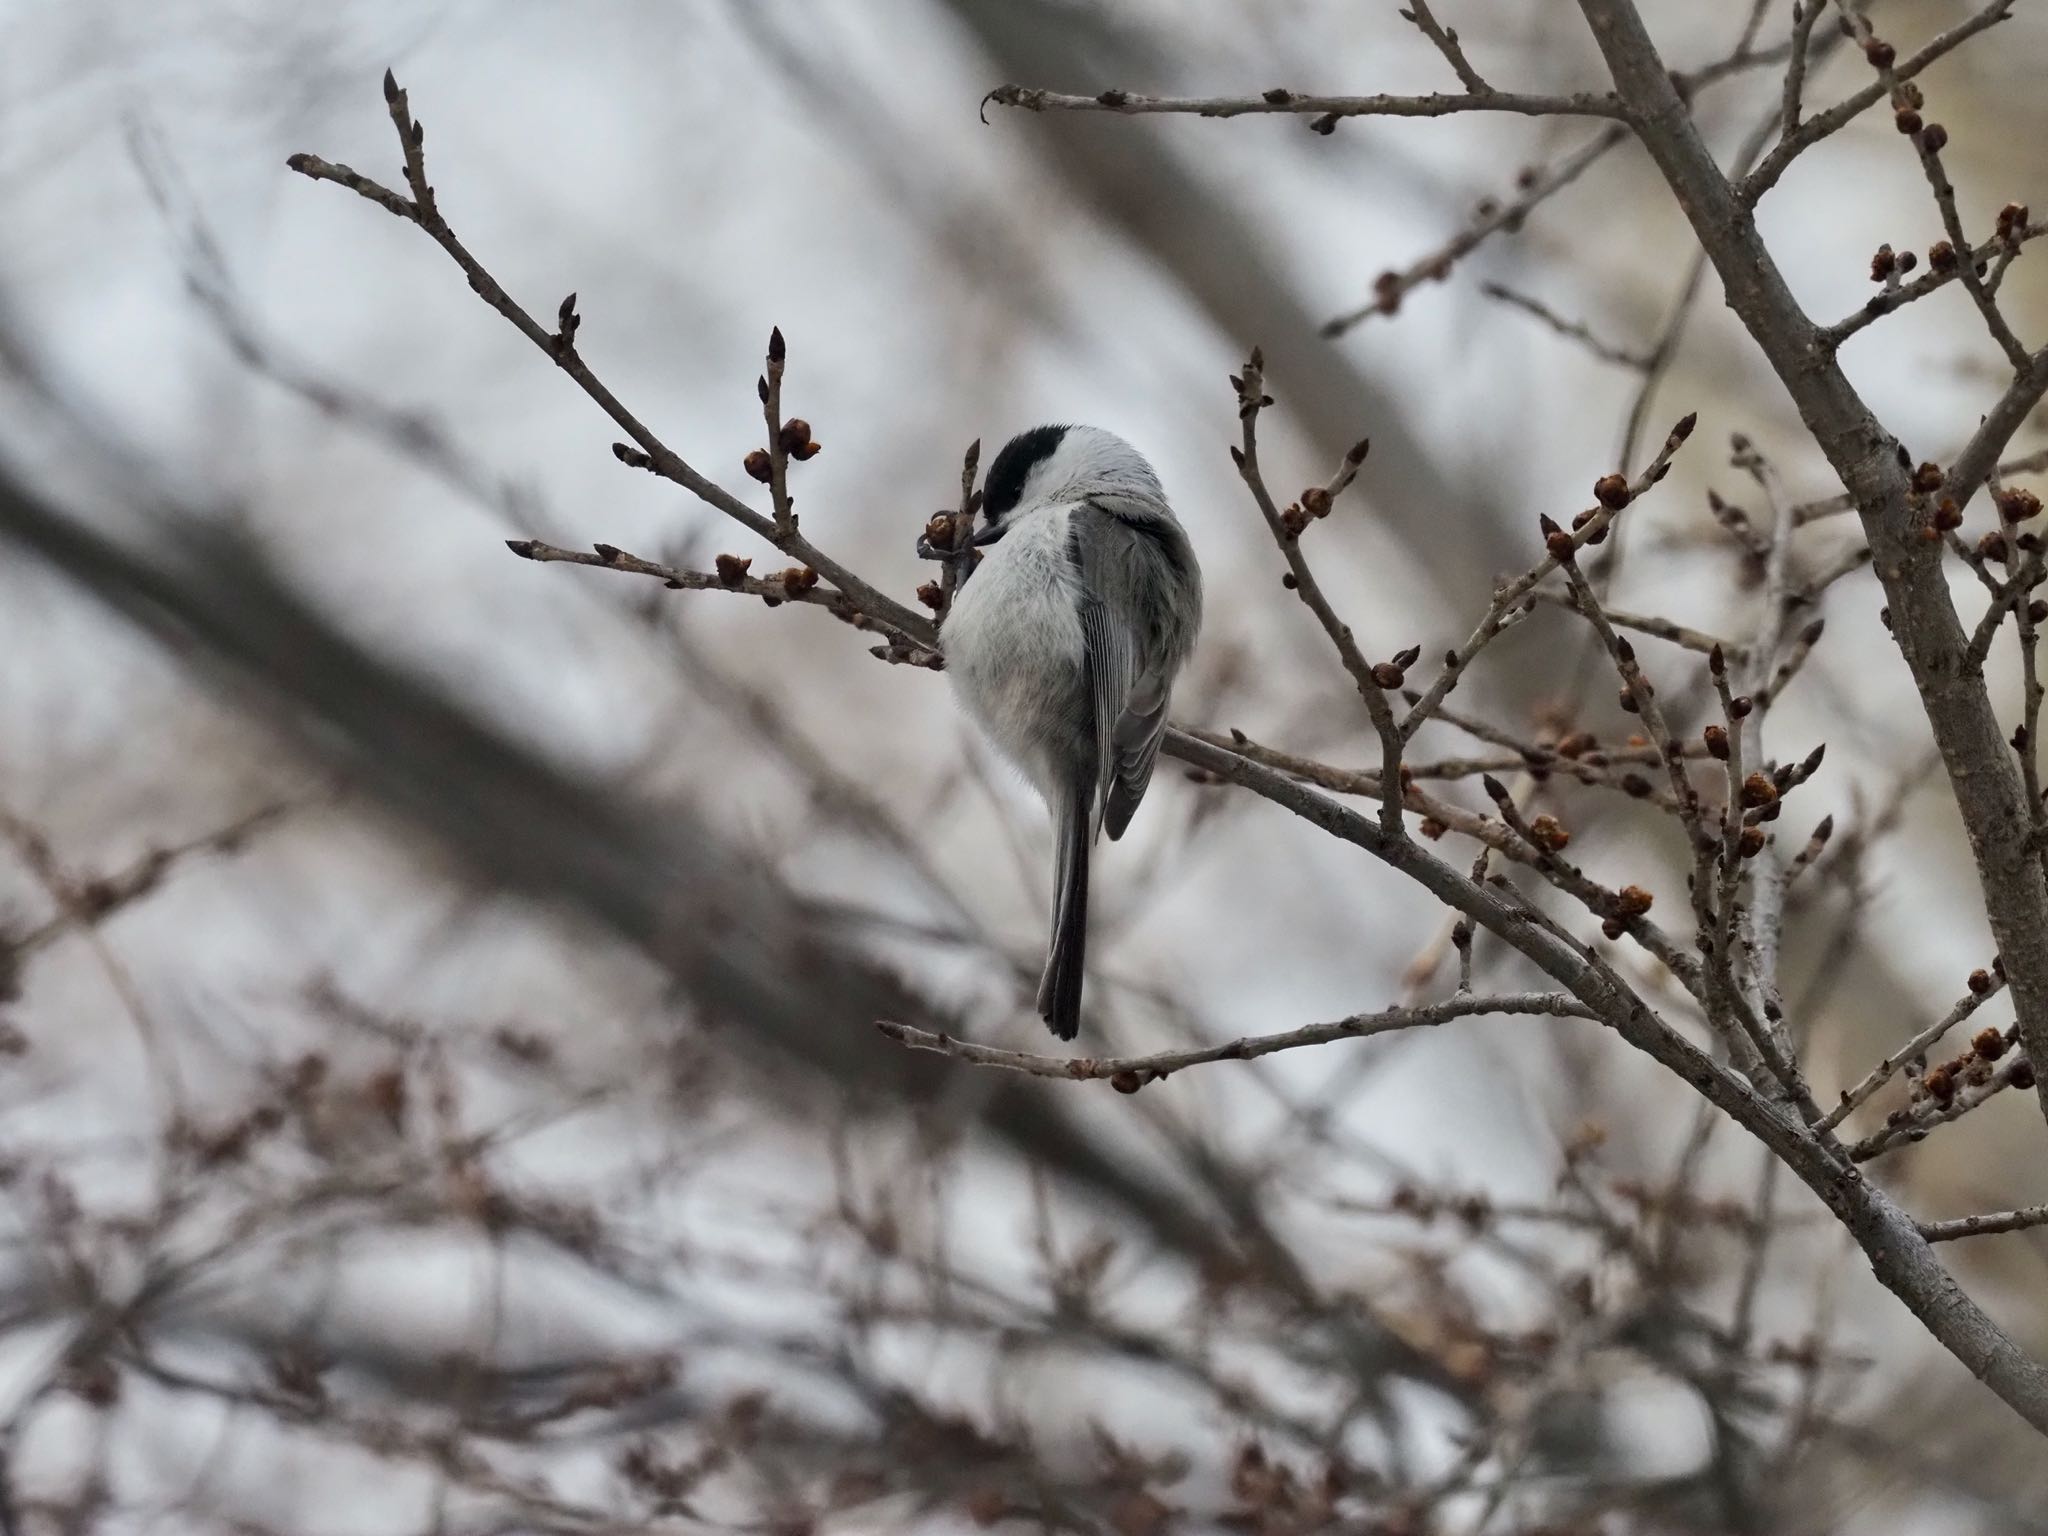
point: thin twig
(1149, 1069)
(1296, 104)
(1921, 1043)
(1571, 330)
(1984, 1226)
(1820, 126)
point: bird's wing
(1134, 576)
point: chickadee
(1064, 646)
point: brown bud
(1940, 1085)
(732, 569)
(1612, 492)
(1431, 828)
(1883, 263)
(1315, 501)
(1741, 705)
(796, 432)
(1906, 120)
(1980, 982)
(1289, 582)
(1758, 790)
(1750, 843)
(1934, 138)
(1992, 547)
(1927, 477)
(1127, 1081)
(2037, 611)
(1717, 742)
(1387, 675)
(523, 548)
(1279, 96)
(1627, 700)
(1880, 53)
(2021, 1075)
(808, 451)
(1294, 520)
(1947, 515)
(1989, 1043)
(1614, 927)
(2016, 505)
(799, 579)
(1576, 744)
(1908, 260)
(1683, 429)
(1941, 256)
(932, 595)
(1549, 834)
(759, 466)
(1632, 901)
(1560, 546)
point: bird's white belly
(1014, 648)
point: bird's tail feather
(1059, 990)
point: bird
(1063, 646)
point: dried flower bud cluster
(732, 569)
(796, 439)
(2016, 505)
(1887, 264)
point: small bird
(1063, 648)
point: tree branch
(1986, 783)
(1136, 1071)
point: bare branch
(1797, 143)
(1447, 44)
(1495, 214)
(1136, 1071)
(1326, 110)
(1984, 1226)
(560, 347)
(1919, 1045)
